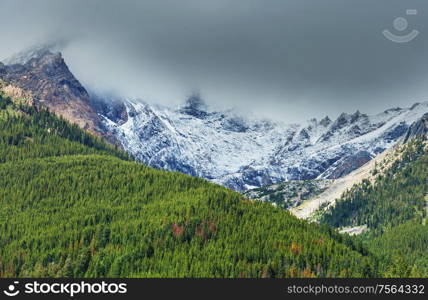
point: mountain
(419, 129)
(42, 76)
(385, 202)
(236, 151)
(397, 193)
(242, 153)
(393, 205)
(304, 197)
(73, 206)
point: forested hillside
(29, 133)
(394, 207)
(398, 194)
(73, 206)
(402, 250)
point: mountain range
(236, 151)
(226, 147)
(242, 153)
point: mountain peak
(195, 101)
(35, 52)
(341, 121)
(195, 106)
(326, 121)
(418, 128)
(357, 116)
(43, 72)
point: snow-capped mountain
(222, 146)
(242, 153)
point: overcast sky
(288, 59)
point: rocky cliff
(45, 78)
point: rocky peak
(394, 109)
(30, 54)
(304, 135)
(414, 106)
(195, 106)
(326, 121)
(341, 121)
(235, 123)
(110, 107)
(45, 75)
(356, 116)
(418, 128)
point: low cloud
(289, 60)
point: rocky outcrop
(110, 107)
(194, 107)
(347, 164)
(44, 76)
(418, 129)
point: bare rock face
(45, 76)
(195, 107)
(348, 164)
(110, 107)
(418, 129)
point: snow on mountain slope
(242, 153)
(35, 52)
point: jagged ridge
(225, 147)
(242, 153)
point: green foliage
(72, 206)
(95, 215)
(403, 250)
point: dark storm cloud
(288, 59)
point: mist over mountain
(287, 61)
(243, 153)
(168, 138)
(224, 146)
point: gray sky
(287, 59)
